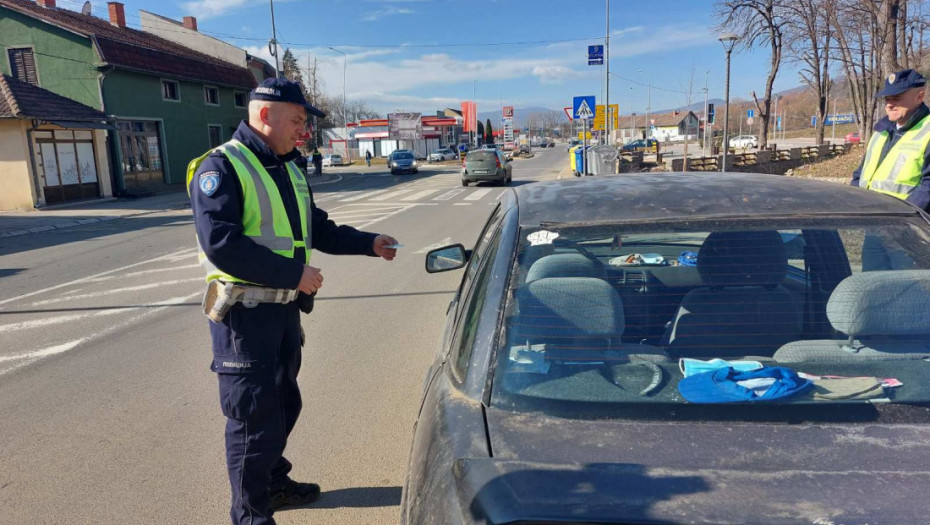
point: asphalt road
(110, 413)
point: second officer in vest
(897, 160)
(256, 227)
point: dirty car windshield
(740, 316)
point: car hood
(631, 472)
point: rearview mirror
(446, 259)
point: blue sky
(422, 55)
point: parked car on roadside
(442, 154)
(664, 349)
(572, 143)
(486, 165)
(744, 141)
(333, 159)
(403, 161)
(853, 138)
(644, 145)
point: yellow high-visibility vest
(264, 217)
(899, 173)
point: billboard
(600, 118)
(508, 130)
(404, 126)
(508, 112)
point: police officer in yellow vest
(256, 226)
(897, 161)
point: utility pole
(607, 77)
(776, 116)
(704, 138)
(345, 122)
(728, 40)
(474, 102)
(833, 137)
(274, 41)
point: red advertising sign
(508, 111)
(469, 112)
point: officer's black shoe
(294, 494)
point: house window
(216, 135)
(170, 90)
(241, 99)
(211, 96)
(23, 65)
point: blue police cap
(899, 82)
(283, 90)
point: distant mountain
(697, 107)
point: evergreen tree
(480, 132)
(489, 133)
(291, 68)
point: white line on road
(478, 194)
(445, 242)
(103, 293)
(390, 195)
(419, 195)
(361, 196)
(141, 272)
(147, 310)
(448, 195)
(499, 195)
(389, 215)
(101, 274)
(462, 204)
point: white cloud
(386, 11)
(205, 9)
(553, 74)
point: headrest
(563, 265)
(566, 306)
(743, 259)
(882, 303)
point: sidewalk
(16, 223)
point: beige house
(52, 149)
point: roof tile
(21, 100)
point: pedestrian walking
(256, 226)
(897, 158)
(317, 159)
(368, 158)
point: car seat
(742, 309)
(885, 315)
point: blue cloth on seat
(721, 386)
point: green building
(167, 103)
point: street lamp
(728, 40)
(345, 122)
(474, 110)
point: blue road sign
(595, 55)
(583, 107)
(750, 113)
(778, 124)
(813, 121)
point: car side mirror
(447, 258)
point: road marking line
(389, 215)
(499, 195)
(330, 196)
(142, 272)
(478, 194)
(419, 195)
(448, 195)
(103, 293)
(101, 274)
(462, 203)
(445, 242)
(390, 195)
(362, 196)
(147, 310)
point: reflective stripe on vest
(899, 173)
(264, 217)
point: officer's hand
(381, 241)
(311, 280)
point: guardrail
(766, 161)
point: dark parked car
(403, 161)
(644, 145)
(677, 348)
(486, 165)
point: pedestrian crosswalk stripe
(363, 195)
(448, 195)
(478, 194)
(419, 195)
(499, 195)
(329, 197)
(391, 195)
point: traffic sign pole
(584, 147)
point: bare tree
(857, 29)
(759, 23)
(689, 89)
(810, 35)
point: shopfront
(67, 162)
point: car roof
(664, 196)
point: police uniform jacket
(921, 196)
(218, 221)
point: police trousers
(256, 357)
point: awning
(78, 124)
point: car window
(826, 298)
(473, 307)
(481, 156)
(403, 156)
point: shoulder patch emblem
(209, 182)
